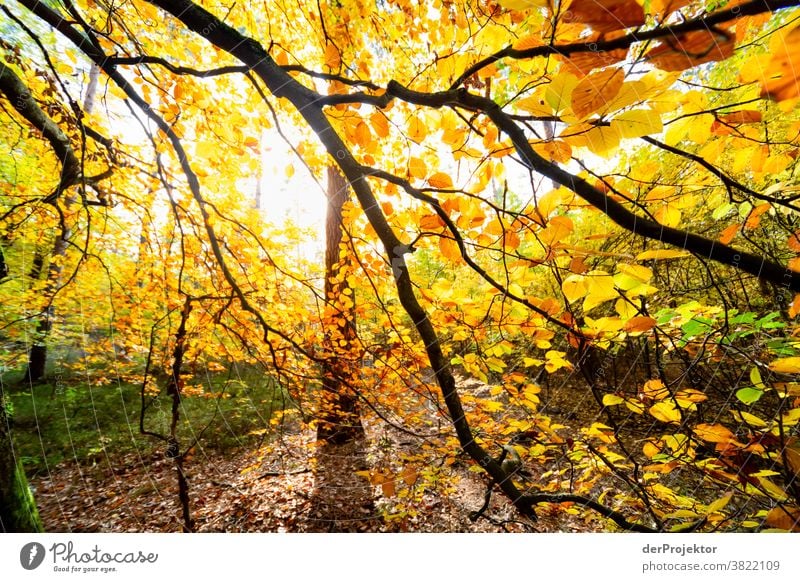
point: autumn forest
(400, 265)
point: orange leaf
(409, 475)
(782, 71)
(665, 7)
(692, 49)
(333, 59)
(754, 218)
(639, 323)
(440, 180)
(726, 236)
(606, 15)
(794, 309)
(449, 249)
(530, 41)
(431, 222)
(597, 89)
(379, 124)
(714, 433)
(417, 130)
(556, 151)
(387, 488)
(793, 460)
(794, 241)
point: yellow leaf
(747, 418)
(574, 287)
(632, 275)
(638, 122)
(601, 289)
(662, 254)
(775, 491)
(634, 406)
(786, 365)
(668, 215)
(665, 412)
(559, 91)
(522, 4)
(650, 449)
(417, 168)
(596, 90)
(558, 228)
(602, 140)
(612, 400)
(440, 180)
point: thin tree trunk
(339, 418)
(37, 355)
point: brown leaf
(582, 63)
(738, 117)
(692, 49)
(785, 517)
(606, 15)
(793, 460)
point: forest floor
(287, 485)
(273, 489)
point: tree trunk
(18, 513)
(339, 418)
(37, 355)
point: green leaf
(755, 378)
(749, 395)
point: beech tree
(539, 187)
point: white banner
(385, 557)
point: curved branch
(617, 212)
(670, 32)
